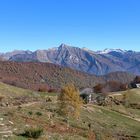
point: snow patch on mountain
(106, 51)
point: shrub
(110, 86)
(42, 89)
(38, 113)
(32, 133)
(30, 113)
(137, 79)
(50, 90)
(98, 88)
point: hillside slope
(35, 75)
(34, 112)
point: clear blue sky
(95, 24)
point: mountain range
(82, 59)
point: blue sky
(95, 24)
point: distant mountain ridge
(85, 60)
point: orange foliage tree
(69, 101)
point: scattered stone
(11, 122)
(48, 99)
(15, 129)
(3, 105)
(1, 119)
(52, 124)
(6, 136)
(1, 124)
(7, 104)
(27, 125)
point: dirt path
(135, 119)
(5, 132)
(29, 104)
(25, 104)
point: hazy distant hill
(99, 63)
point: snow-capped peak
(106, 51)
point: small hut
(138, 85)
(86, 95)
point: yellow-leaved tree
(69, 101)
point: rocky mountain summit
(83, 59)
